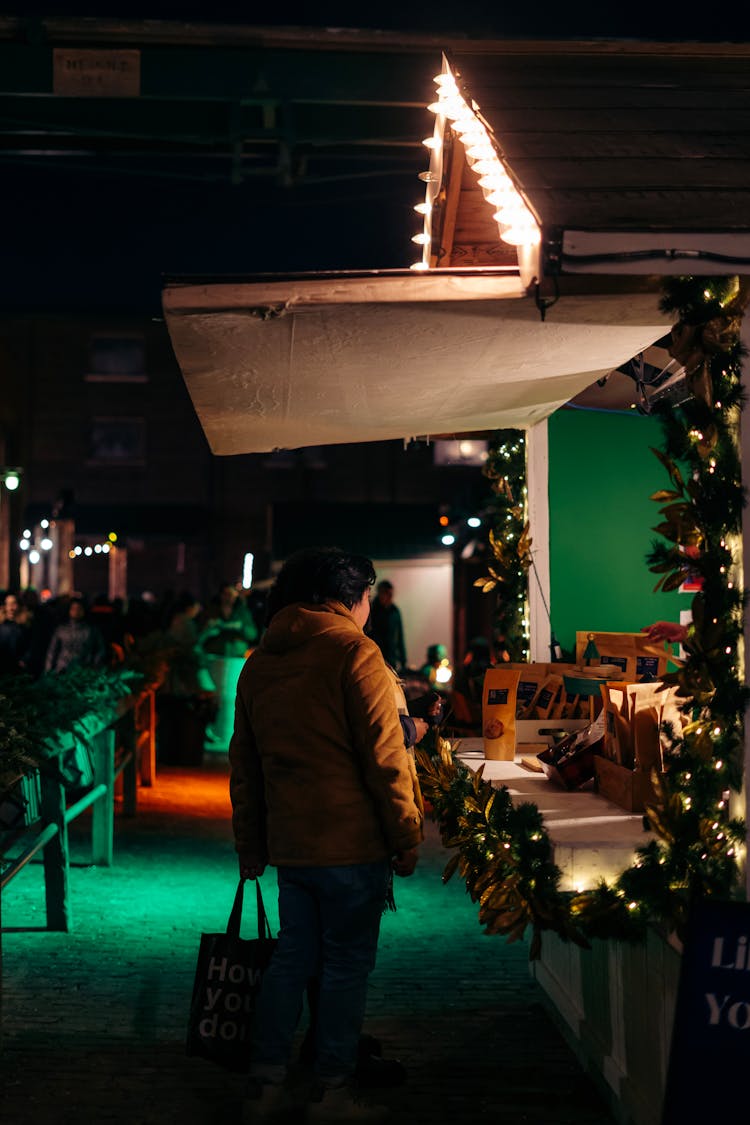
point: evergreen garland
(33, 712)
(509, 542)
(504, 852)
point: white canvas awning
(334, 358)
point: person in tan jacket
(323, 789)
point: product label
(646, 666)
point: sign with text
(88, 72)
(710, 1052)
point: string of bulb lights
(35, 543)
(516, 224)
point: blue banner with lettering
(709, 1059)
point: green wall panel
(601, 475)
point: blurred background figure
(15, 635)
(227, 636)
(229, 628)
(43, 620)
(468, 683)
(386, 626)
(437, 668)
(186, 701)
(76, 642)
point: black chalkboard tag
(709, 1060)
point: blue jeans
(330, 922)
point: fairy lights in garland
(509, 542)
(504, 852)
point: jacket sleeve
(409, 730)
(246, 787)
(378, 741)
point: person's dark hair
(385, 585)
(320, 574)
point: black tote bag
(227, 981)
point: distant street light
(11, 478)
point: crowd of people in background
(188, 649)
(44, 634)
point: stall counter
(592, 838)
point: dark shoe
(338, 1104)
(375, 1072)
(266, 1103)
(369, 1045)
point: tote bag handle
(235, 917)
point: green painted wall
(601, 475)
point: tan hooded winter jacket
(320, 775)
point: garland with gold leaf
(504, 852)
(508, 540)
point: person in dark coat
(15, 636)
(386, 626)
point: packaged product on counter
(571, 761)
(499, 712)
(633, 750)
(618, 742)
(550, 695)
(635, 656)
(532, 677)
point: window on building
(117, 359)
(117, 441)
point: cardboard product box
(575, 771)
(630, 789)
(632, 653)
(570, 761)
(547, 731)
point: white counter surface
(592, 839)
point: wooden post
(127, 743)
(103, 810)
(56, 857)
(145, 726)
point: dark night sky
(99, 240)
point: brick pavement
(93, 1021)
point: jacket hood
(296, 624)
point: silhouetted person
(386, 627)
(15, 635)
